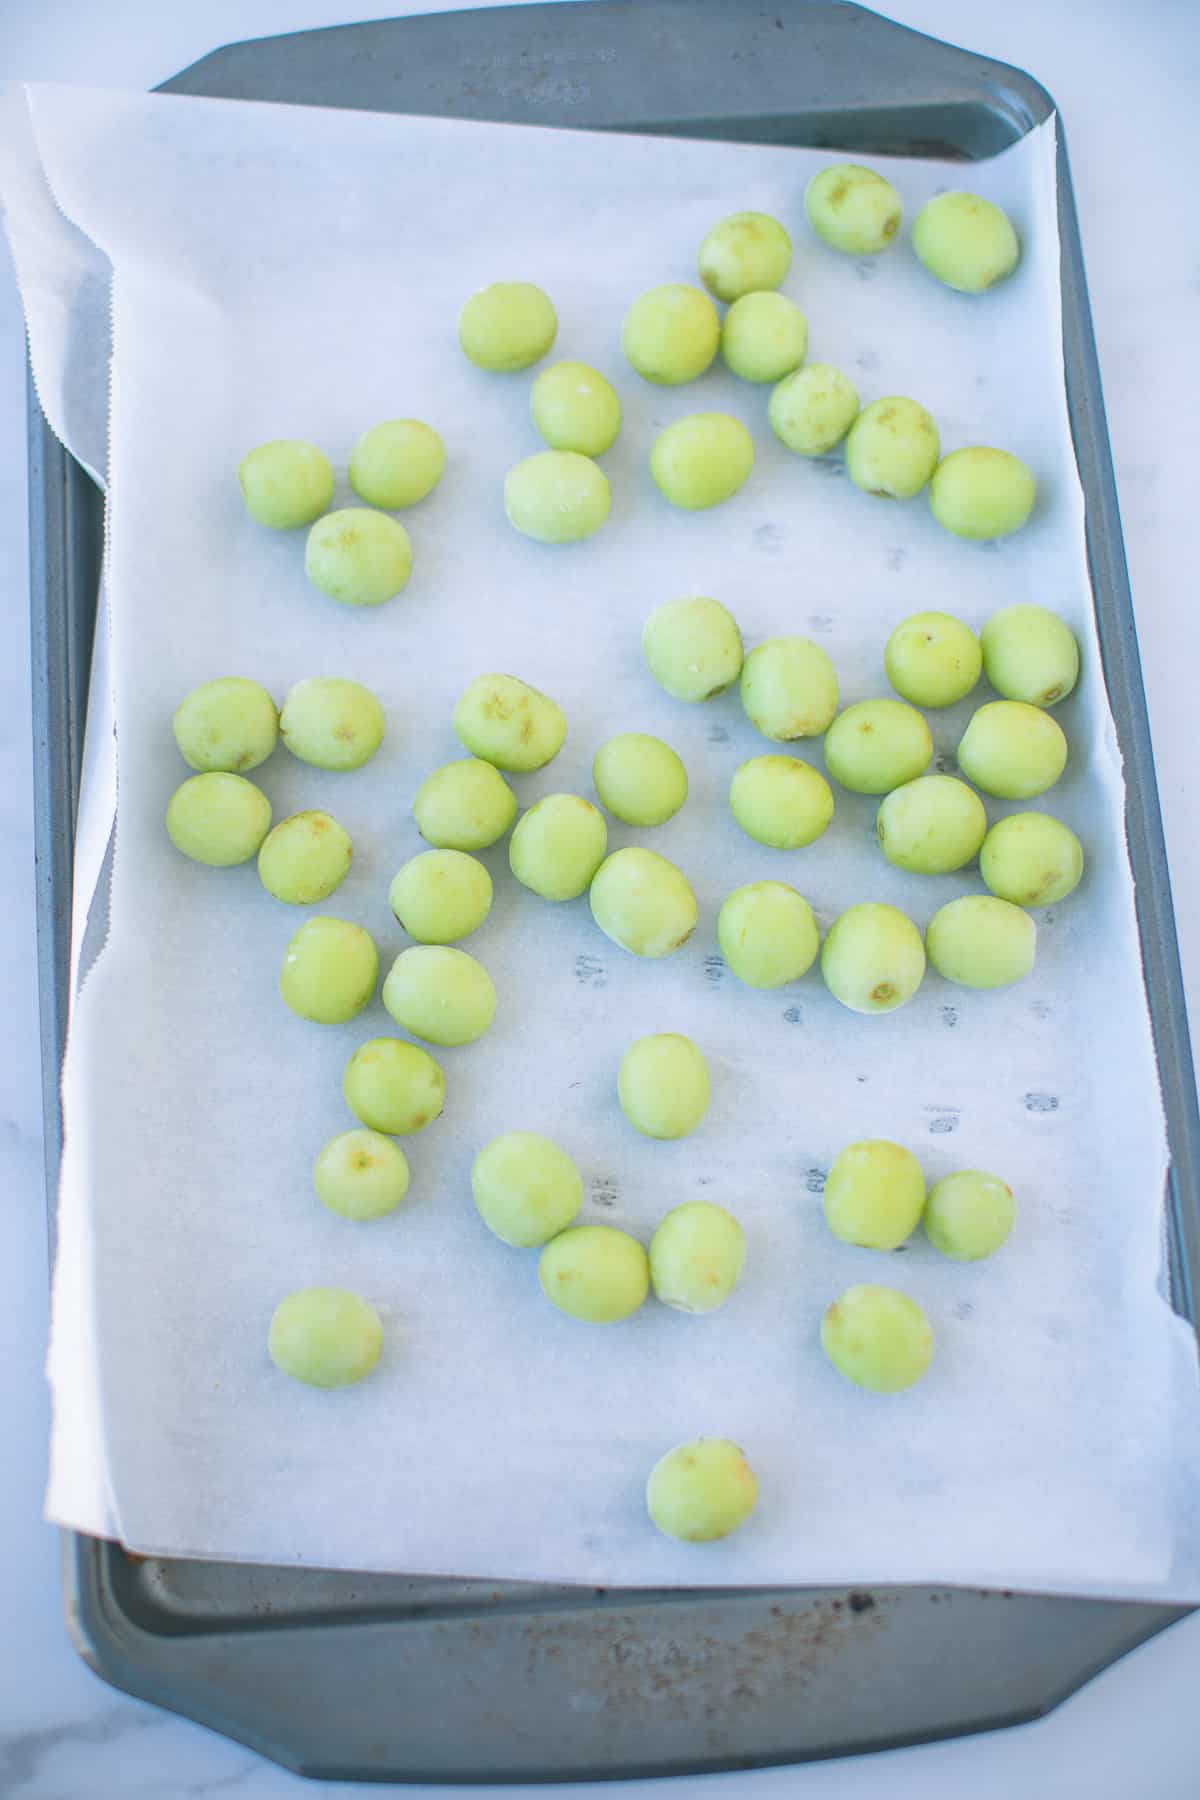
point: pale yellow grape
(873, 959)
(326, 1337)
(779, 801)
(931, 826)
(745, 253)
(507, 326)
(1012, 750)
(1031, 859)
(358, 557)
(663, 1085)
(702, 460)
(575, 408)
(331, 723)
(875, 745)
(440, 896)
(764, 337)
(1030, 654)
(969, 1215)
(789, 689)
(853, 209)
(441, 995)
(671, 334)
(230, 724)
(642, 902)
(329, 971)
(979, 941)
(397, 463)
(525, 1188)
(812, 410)
(981, 493)
(933, 659)
(304, 858)
(218, 819)
(892, 448)
(874, 1194)
(877, 1338)
(394, 1087)
(361, 1174)
(557, 497)
(595, 1273)
(509, 724)
(464, 805)
(768, 934)
(286, 483)
(639, 779)
(965, 241)
(693, 648)
(696, 1257)
(701, 1490)
(558, 845)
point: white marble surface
(1125, 78)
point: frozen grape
(509, 724)
(639, 779)
(768, 934)
(746, 253)
(304, 858)
(813, 409)
(558, 845)
(696, 1257)
(701, 1491)
(853, 209)
(671, 334)
(326, 1337)
(1012, 750)
(876, 745)
(1030, 654)
(693, 648)
(440, 896)
(981, 942)
(397, 463)
(230, 724)
(358, 557)
(981, 493)
(361, 1174)
(878, 1338)
(701, 460)
(219, 819)
(527, 1190)
(329, 971)
(464, 805)
(663, 1085)
(780, 801)
(872, 959)
(507, 326)
(933, 659)
(595, 1273)
(764, 337)
(789, 689)
(393, 1086)
(969, 1215)
(892, 448)
(575, 408)
(286, 483)
(1031, 859)
(331, 723)
(441, 995)
(965, 241)
(557, 497)
(642, 902)
(874, 1194)
(931, 826)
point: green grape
(701, 1490)
(557, 497)
(663, 1085)
(326, 1337)
(693, 648)
(872, 959)
(764, 337)
(639, 779)
(304, 858)
(509, 724)
(746, 253)
(441, 995)
(931, 826)
(397, 463)
(1030, 654)
(965, 242)
(393, 1086)
(361, 1174)
(877, 745)
(642, 902)
(969, 1215)
(331, 723)
(671, 334)
(696, 1257)
(358, 557)
(1012, 750)
(877, 1338)
(874, 1194)
(701, 460)
(595, 1273)
(853, 209)
(228, 725)
(507, 326)
(286, 483)
(218, 819)
(933, 659)
(813, 409)
(329, 971)
(789, 689)
(558, 845)
(464, 805)
(527, 1190)
(780, 801)
(575, 408)
(768, 934)
(892, 448)
(981, 942)
(440, 896)
(981, 493)
(1031, 859)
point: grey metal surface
(377, 1677)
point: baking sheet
(287, 272)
